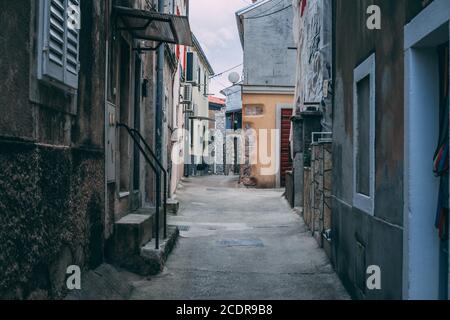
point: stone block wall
(51, 218)
(317, 191)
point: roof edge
(202, 53)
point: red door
(285, 155)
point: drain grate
(241, 243)
(184, 228)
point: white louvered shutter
(59, 43)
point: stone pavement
(239, 243)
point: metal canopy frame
(202, 118)
(149, 18)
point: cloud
(214, 24)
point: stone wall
(317, 191)
(51, 158)
(307, 209)
(51, 204)
(217, 147)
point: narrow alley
(225, 150)
(238, 243)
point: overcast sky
(214, 24)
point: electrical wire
(221, 83)
(274, 6)
(269, 14)
(221, 73)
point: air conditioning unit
(187, 94)
(192, 65)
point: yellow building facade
(262, 113)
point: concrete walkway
(239, 243)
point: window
(254, 110)
(199, 77)
(364, 136)
(58, 40)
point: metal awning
(202, 118)
(154, 26)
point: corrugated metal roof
(154, 26)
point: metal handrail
(165, 174)
(132, 133)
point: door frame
(420, 259)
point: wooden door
(285, 155)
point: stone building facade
(52, 195)
(217, 127)
(69, 174)
(317, 194)
(313, 109)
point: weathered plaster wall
(360, 240)
(273, 50)
(16, 118)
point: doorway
(136, 195)
(425, 254)
(285, 154)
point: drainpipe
(159, 93)
(159, 123)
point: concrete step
(173, 206)
(131, 233)
(155, 259)
(134, 242)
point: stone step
(173, 206)
(131, 233)
(155, 259)
(134, 242)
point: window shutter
(52, 33)
(59, 44)
(72, 48)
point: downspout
(333, 113)
(159, 93)
(158, 126)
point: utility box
(110, 144)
